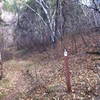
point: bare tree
(51, 17)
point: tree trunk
(1, 68)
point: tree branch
(93, 8)
(36, 13)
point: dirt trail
(24, 73)
(23, 83)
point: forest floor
(39, 76)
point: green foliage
(8, 6)
(30, 1)
(53, 3)
(14, 5)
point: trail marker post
(67, 71)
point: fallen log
(93, 52)
(95, 59)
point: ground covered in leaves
(39, 76)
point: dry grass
(39, 76)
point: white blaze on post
(65, 52)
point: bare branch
(93, 8)
(36, 13)
(45, 10)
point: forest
(49, 49)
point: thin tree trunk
(56, 19)
(82, 37)
(1, 55)
(72, 45)
(75, 44)
(1, 68)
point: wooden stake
(67, 71)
